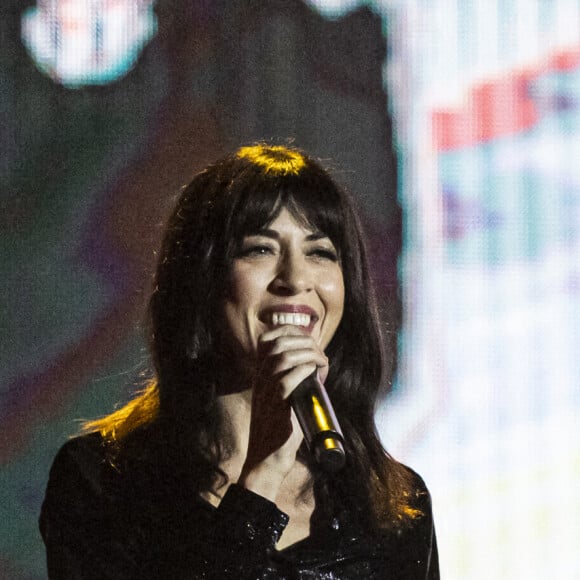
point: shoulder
(83, 447)
(417, 483)
(418, 495)
(81, 473)
(83, 456)
(414, 537)
(88, 517)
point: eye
(325, 254)
(255, 250)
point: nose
(293, 276)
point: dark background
(88, 176)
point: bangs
(313, 201)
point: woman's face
(284, 274)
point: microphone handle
(319, 424)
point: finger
(273, 365)
(323, 373)
(297, 433)
(281, 344)
(284, 330)
(293, 358)
(294, 377)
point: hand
(287, 355)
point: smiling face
(284, 274)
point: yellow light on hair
(276, 159)
(136, 413)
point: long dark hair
(230, 199)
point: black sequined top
(100, 523)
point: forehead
(285, 208)
(286, 222)
(286, 225)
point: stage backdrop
(109, 107)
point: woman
(262, 281)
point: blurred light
(87, 42)
(335, 8)
(487, 96)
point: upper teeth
(294, 318)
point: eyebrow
(273, 234)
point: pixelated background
(455, 126)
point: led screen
(485, 98)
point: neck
(237, 412)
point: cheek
(241, 290)
(240, 308)
(334, 292)
(238, 333)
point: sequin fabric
(98, 523)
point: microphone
(318, 423)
